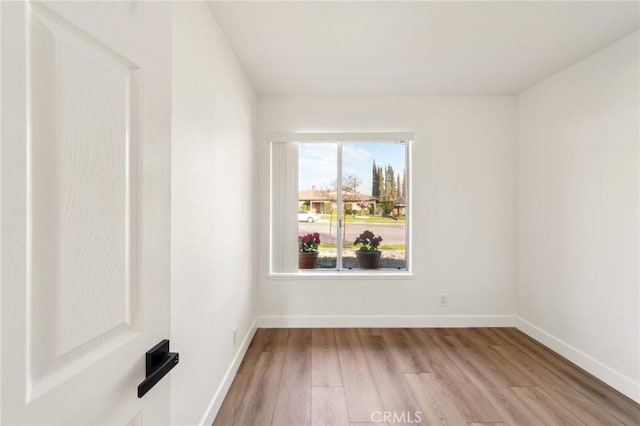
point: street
(391, 233)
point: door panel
(85, 210)
(84, 291)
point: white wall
(578, 216)
(212, 276)
(464, 212)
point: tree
(351, 181)
(380, 183)
(387, 207)
(389, 183)
(404, 184)
(386, 186)
(375, 181)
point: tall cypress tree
(404, 184)
(389, 183)
(380, 183)
(375, 181)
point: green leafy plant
(309, 243)
(368, 241)
(386, 206)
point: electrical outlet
(444, 300)
(235, 336)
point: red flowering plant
(368, 241)
(309, 243)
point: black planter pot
(368, 259)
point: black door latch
(159, 362)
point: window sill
(347, 275)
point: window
(336, 190)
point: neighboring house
(399, 207)
(322, 201)
(316, 198)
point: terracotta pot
(368, 259)
(307, 260)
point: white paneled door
(85, 210)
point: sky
(317, 162)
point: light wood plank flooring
(466, 376)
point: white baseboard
(390, 321)
(613, 378)
(218, 398)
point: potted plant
(368, 255)
(308, 250)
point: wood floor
(292, 377)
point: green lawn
(364, 219)
(353, 246)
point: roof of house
(348, 195)
(314, 194)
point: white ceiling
(416, 48)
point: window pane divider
(340, 230)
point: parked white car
(304, 216)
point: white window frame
(283, 238)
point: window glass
(348, 190)
(374, 192)
(317, 201)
